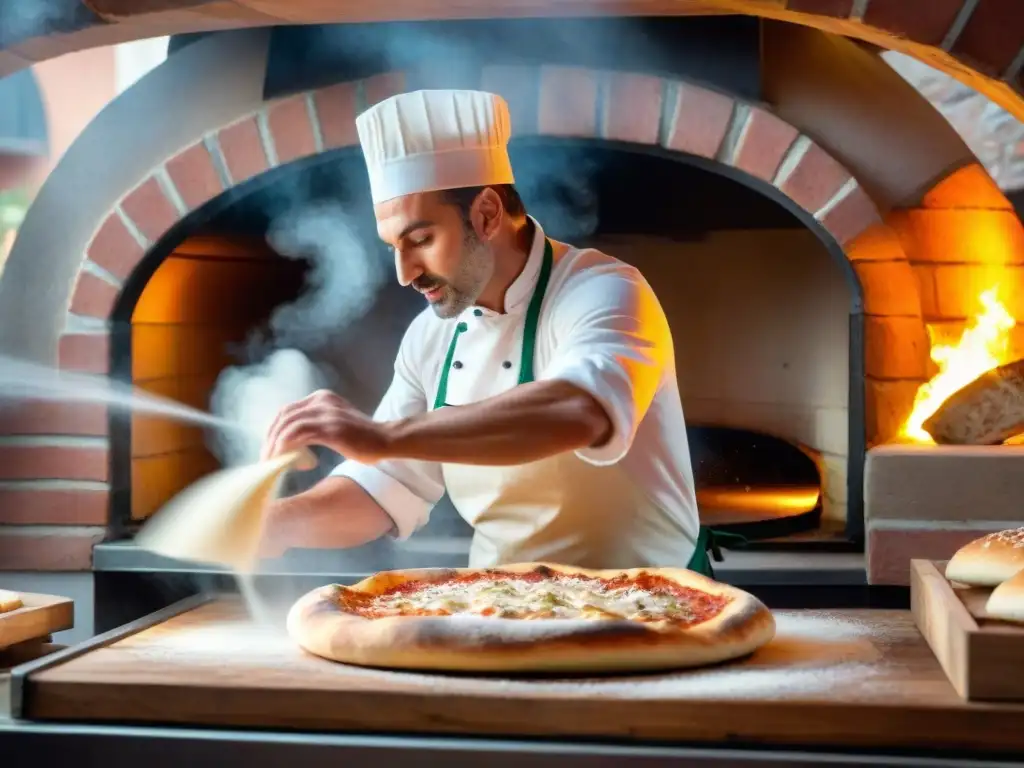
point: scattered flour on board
(812, 654)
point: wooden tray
(41, 615)
(982, 657)
(858, 678)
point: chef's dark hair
(463, 198)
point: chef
(538, 388)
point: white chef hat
(429, 140)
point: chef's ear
(488, 212)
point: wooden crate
(981, 656)
(39, 616)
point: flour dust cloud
(278, 363)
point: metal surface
(127, 747)
(743, 569)
(19, 689)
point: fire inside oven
(289, 263)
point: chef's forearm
(336, 513)
(528, 423)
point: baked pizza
(531, 617)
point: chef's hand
(326, 419)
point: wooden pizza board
(982, 657)
(39, 616)
(862, 678)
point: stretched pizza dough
(219, 519)
(9, 601)
(319, 624)
(1007, 600)
(989, 560)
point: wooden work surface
(38, 616)
(854, 678)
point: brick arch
(980, 42)
(557, 101)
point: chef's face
(437, 251)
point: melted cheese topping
(559, 598)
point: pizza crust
(9, 601)
(989, 560)
(485, 644)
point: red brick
(967, 187)
(764, 144)
(380, 87)
(890, 551)
(978, 236)
(242, 149)
(896, 347)
(49, 506)
(924, 22)
(568, 102)
(63, 551)
(889, 287)
(114, 248)
(291, 129)
(93, 297)
(633, 108)
(886, 407)
(851, 216)
(44, 417)
(149, 209)
(840, 9)
(877, 243)
(194, 175)
(85, 352)
(992, 37)
(700, 122)
(815, 180)
(336, 113)
(519, 85)
(53, 462)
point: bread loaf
(1007, 600)
(9, 601)
(987, 411)
(988, 561)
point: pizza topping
(544, 595)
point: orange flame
(983, 346)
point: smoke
(21, 21)
(343, 281)
(253, 395)
(344, 277)
(285, 361)
(560, 191)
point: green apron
(707, 541)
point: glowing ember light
(983, 346)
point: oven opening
(200, 312)
(764, 325)
(754, 484)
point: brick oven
(808, 217)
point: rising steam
(290, 358)
(344, 277)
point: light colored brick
(568, 101)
